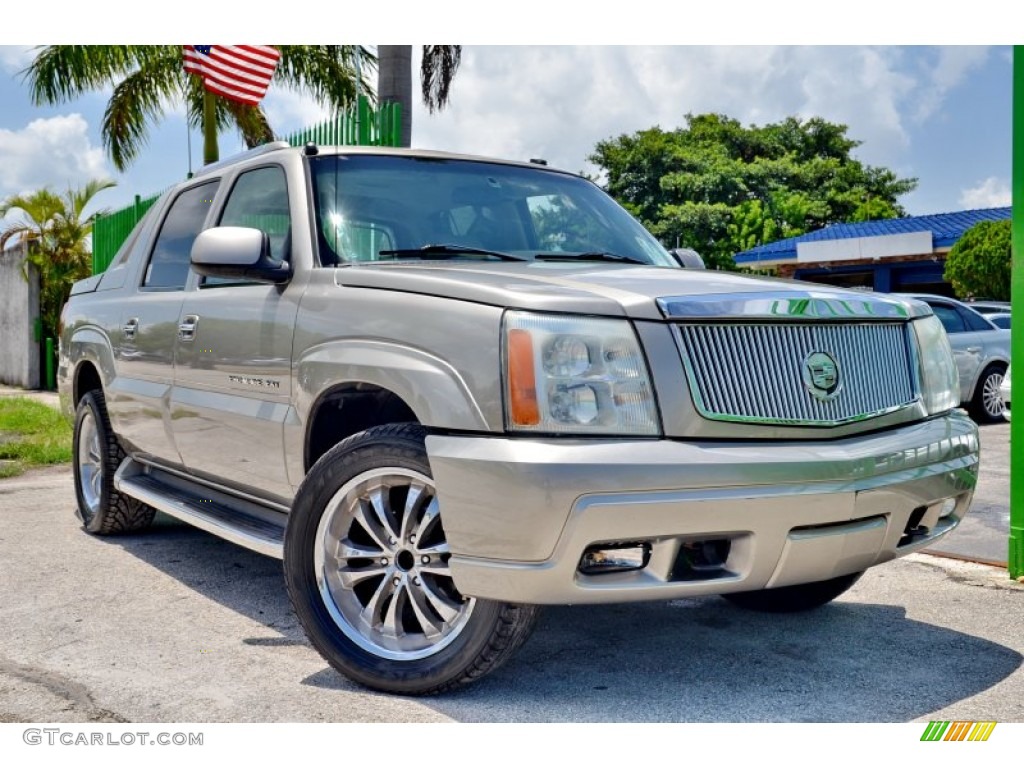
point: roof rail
(262, 149)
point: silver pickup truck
(446, 390)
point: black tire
(361, 539)
(987, 405)
(96, 456)
(799, 597)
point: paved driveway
(175, 625)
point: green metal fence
(360, 126)
(111, 230)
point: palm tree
(56, 232)
(394, 78)
(148, 78)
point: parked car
(447, 390)
(1004, 390)
(982, 353)
(999, 319)
(988, 306)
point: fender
(434, 390)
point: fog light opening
(615, 557)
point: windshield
(369, 204)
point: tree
(56, 231)
(148, 78)
(394, 78)
(721, 188)
(978, 265)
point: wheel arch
(345, 409)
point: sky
(937, 113)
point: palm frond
(326, 72)
(39, 207)
(251, 122)
(437, 70)
(138, 100)
(62, 72)
(78, 199)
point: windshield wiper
(589, 256)
(447, 251)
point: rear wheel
(366, 565)
(987, 405)
(799, 597)
(96, 456)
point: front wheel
(799, 597)
(366, 566)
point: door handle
(973, 350)
(130, 328)
(187, 327)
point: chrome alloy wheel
(90, 463)
(381, 560)
(991, 398)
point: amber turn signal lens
(522, 381)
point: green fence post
(1016, 554)
(51, 379)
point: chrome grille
(755, 372)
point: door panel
(232, 385)
(144, 344)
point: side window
(169, 262)
(259, 199)
(949, 318)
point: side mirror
(238, 253)
(687, 258)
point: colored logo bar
(957, 730)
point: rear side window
(975, 322)
(169, 263)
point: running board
(239, 521)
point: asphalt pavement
(174, 625)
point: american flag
(237, 72)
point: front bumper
(520, 513)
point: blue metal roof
(946, 229)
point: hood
(629, 290)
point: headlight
(940, 383)
(577, 375)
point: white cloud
(950, 69)
(54, 152)
(289, 110)
(993, 192)
(558, 101)
(14, 58)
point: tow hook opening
(615, 557)
(702, 560)
(924, 521)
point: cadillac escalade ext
(446, 390)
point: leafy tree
(148, 78)
(56, 231)
(394, 78)
(721, 188)
(979, 263)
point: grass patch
(32, 434)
